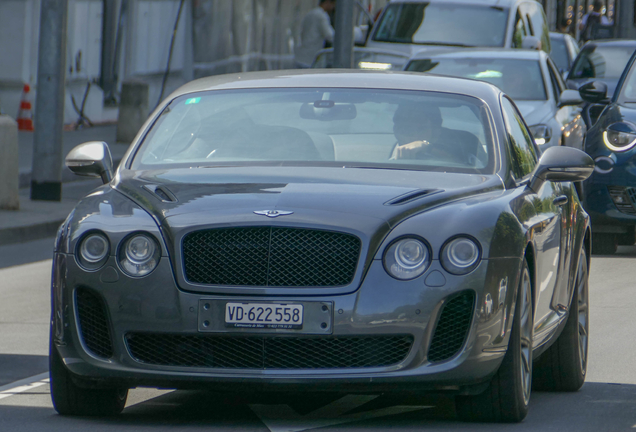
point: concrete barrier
(133, 109)
(9, 165)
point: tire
(627, 239)
(508, 394)
(564, 365)
(72, 400)
(604, 244)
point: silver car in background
(529, 77)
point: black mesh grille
(268, 352)
(452, 327)
(266, 256)
(93, 323)
(624, 199)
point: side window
(557, 88)
(519, 31)
(573, 48)
(537, 23)
(557, 75)
(523, 153)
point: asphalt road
(607, 401)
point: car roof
(501, 3)
(611, 42)
(503, 53)
(341, 78)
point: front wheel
(563, 366)
(506, 398)
(70, 399)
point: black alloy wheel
(506, 398)
(73, 400)
(564, 365)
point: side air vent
(412, 196)
(452, 327)
(162, 193)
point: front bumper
(610, 199)
(381, 307)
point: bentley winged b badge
(273, 213)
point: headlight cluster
(620, 137)
(138, 254)
(93, 251)
(409, 257)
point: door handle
(560, 200)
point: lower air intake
(268, 352)
(93, 323)
(452, 328)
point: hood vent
(412, 196)
(162, 193)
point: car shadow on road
(597, 406)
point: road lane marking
(24, 385)
(282, 418)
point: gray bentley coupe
(332, 230)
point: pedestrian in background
(592, 21)
(315, 30)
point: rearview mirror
(91, 159)
(327, 110)
(570, 97)
(561, 164)
(594, 92)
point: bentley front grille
(269, 256)
(268, 352)
(452, 327)
(93, 323)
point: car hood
(535, 112)
(409, 49)
(340, 197)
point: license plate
(264, 315)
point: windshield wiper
(445, 44)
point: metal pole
(343, 41)
(107, 79)
(46, 177)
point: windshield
(332, 127)
(443, 24)
(601, 62)
(559, 53)
(519, 79)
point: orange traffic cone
(25, 114)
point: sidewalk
(40, 219)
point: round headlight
(406, 258)
(139, 255)
(93, 251)
(620, 137)
(460, 255)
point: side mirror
(91, 159)
(570, 97)
(561, 164)
(531, 42)
(594, 92)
